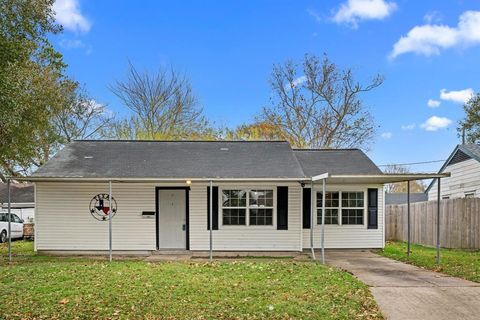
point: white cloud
(354, 11)
(299, 80)
(432, 16)
(314, 14)
(386, 135)
(430, 39)
(435, 123)
(433, 103)
(460, 96)
(68, 14)
(410, 126)
(71, 43)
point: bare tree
(163, 106)
(415, 186)
(321, 106)
(83, 119)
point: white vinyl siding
(243, 238)
(464, 179)
(63, 220)
(349, 236)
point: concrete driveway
(404, 291)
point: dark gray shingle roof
(471, 149)
(335, 161)
(19, 193)
(200, 159)
(173, 159)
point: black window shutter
(307, 204)
(372, 208)
(282, 208)
(215, 208)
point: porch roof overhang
(379, 178)
(330, 178)
(150, 179)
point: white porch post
(110, 212)
(211, 220)
(9, 222)
(438, 220)
(323, 220)
(408, 218)
(312, 206)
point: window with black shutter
(372, 208)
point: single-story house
(22, 201)
(160, 198)
(464, 167)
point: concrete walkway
(404, 291)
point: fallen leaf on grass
(64, 301)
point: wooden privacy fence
(459, 223)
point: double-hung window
(332, 204)
(234, 207)
(345, 208)
(253, 207)
(352, 207)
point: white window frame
(469, 194)
(248, 207)
(340, 190)
(339, 208)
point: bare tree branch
(318, 105)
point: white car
(16, 227)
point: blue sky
(427, 50)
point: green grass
(65, 288)
(458, 263)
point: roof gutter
(119, 179)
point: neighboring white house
(464, 167)
(161, 192)
(22, 200)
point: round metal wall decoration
(100, 207)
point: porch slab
(159, 256)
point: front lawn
(457, 263)
(67, 288)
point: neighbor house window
(342, 208)
(332, 204)
(247, 207)
(470, 194)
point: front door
(171, 219)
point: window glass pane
(331, 199)
(234, 217)
(352, 216)
(261, 198)
(234, 198)
(261, 217)
(352, 199)
(331, 216)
